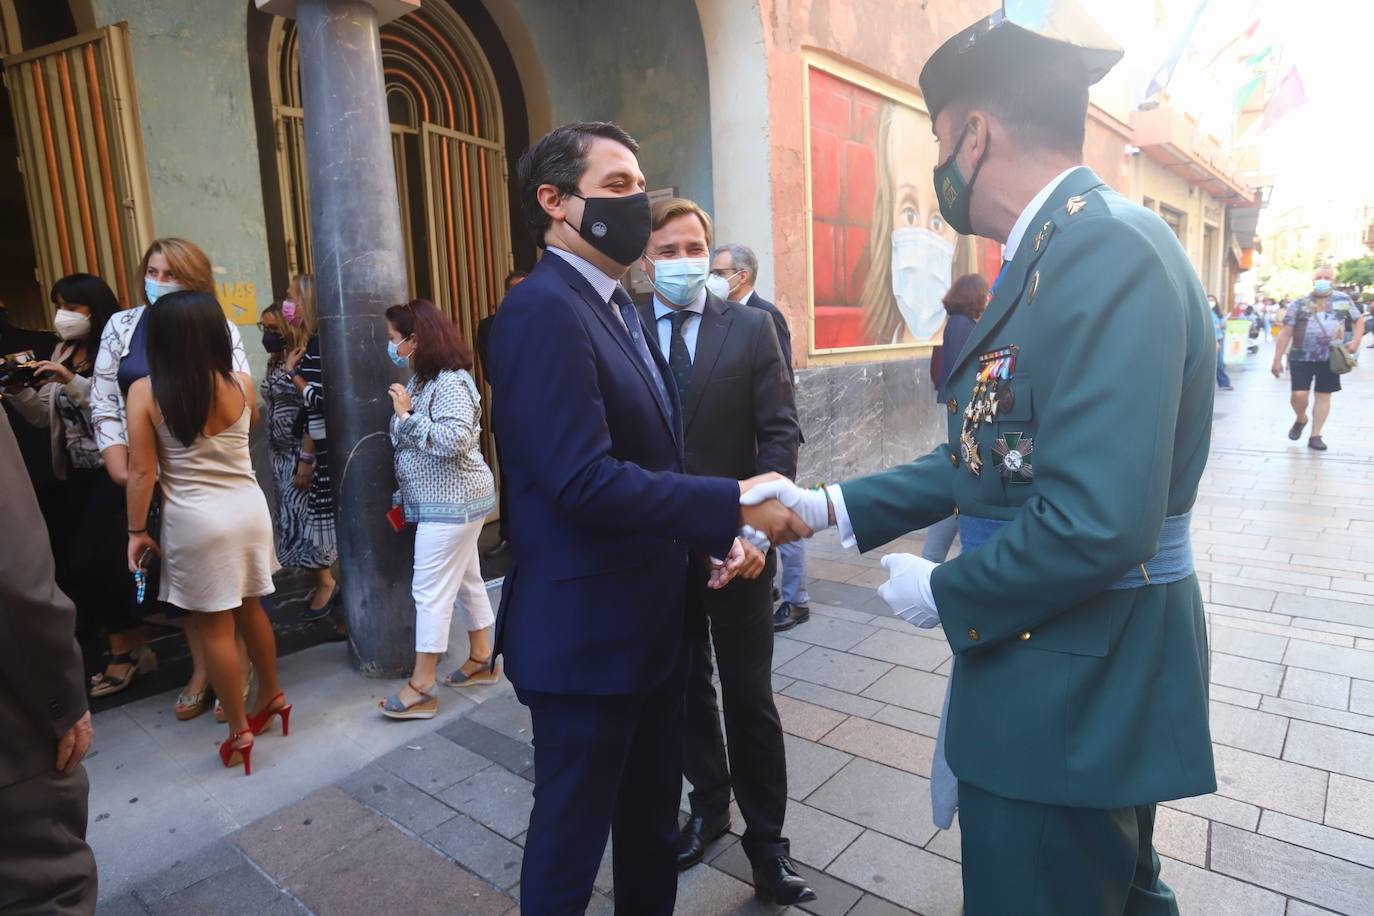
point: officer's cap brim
(1002, 47)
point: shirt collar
(698, 305)
(603, 283)
(1018, 229)
(745, 300)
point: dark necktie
(679, 360)
(621, 300)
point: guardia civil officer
(1079, 421)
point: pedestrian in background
(169, 265)
(303, 369)
(89, 530)
(188, 430)
(1313, 326)
(446, 491)
(1219, 323)
(964, 303)
(282, 405)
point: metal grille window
(81, 154)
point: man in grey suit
(734, 271)
(715, 350)
(45, 865)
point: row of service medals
(992, 394)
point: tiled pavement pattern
(1285, 547)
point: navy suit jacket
(593, 603)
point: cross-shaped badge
(1013, 453)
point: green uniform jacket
(1065, 692)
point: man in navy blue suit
(591, 614)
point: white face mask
(70, 324)
(922, 264)
(719, 286)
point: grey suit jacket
(42, 683)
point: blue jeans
(1223, 380)
(792, 566)
(940, 538)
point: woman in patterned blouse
(303, 369)
(90, 529)
(446, 489)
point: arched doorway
(449, 150)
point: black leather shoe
(788, 615)
(697, 836)
(499, 548)
(777, 882)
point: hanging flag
(1165, 71)
(1290, 95)
(1248, 33)
(1246, 90)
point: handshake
(774, 510)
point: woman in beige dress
(188, 426)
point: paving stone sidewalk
(1284, 549)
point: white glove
(907, 591)
(811, 506)
(757, 538)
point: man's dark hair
(559, 158)
(1046, 107)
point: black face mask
(273, 342)
(618, 227)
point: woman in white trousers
(446, 490)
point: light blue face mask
(153, 290)
(681, 280)
(1321, 287)
(393, 349)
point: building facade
(796, 123)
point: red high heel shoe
(232, 756)
(259, 721)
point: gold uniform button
(972, 634)
(953, 459)
(1025, 635)
(953, 406)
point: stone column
(359, 259)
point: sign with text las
(239, 301)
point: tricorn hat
(1012, 43)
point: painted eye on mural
(908, 215)
(937, 224)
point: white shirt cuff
(842, 524)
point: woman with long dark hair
(188, 424)
(447, 491)
(90, 529)
(169, 264)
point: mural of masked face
(922, 243)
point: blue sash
(1172, 562)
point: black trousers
(738, 622)
(604, 764)
(46, 868)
